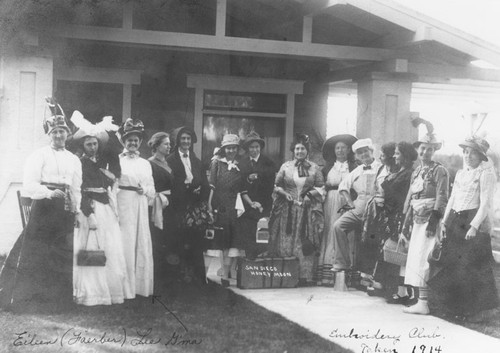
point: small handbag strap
(96, 239)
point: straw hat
(230, 140)
(478, 144)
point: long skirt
(137, 245)
(286, 228)
(417, 266)
(466, 284)
(40, 265)
(333, 202)
(96, 285)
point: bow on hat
(131, 126)
(86, 128)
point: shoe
(397, 299)
(421, 308)
(374, 292)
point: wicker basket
(395, 256)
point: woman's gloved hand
(430, 231)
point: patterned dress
(226, 181)
(296, 228)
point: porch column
(384, 107)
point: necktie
(254, 162)
(367, 167)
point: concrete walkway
(366, 324)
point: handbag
(91, 257)
(197, 216)
(397, 254)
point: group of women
(146, 215)
(411, 209)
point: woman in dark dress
(189, 191)
(395, 187)
(226, 181)
(464, 283)
(161, 224)
(40, 266)
(375, 218)
(258, 175)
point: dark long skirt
(40, 265)
(465, 284)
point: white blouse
(137, 172)
(47, 165)
(338, 172)
(473, 188)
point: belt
(129, 188)
(54, 186)
(463, 212)
(334, 187)
(95, 190)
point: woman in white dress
(424, 207)
(136, 188)
(339, 159)
(98, 227)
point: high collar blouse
(137, 171)
(473, 189)
(47, 165)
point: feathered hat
(429, 137)
(54, 117)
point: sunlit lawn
(212, 319)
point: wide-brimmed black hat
(329, 145)
(253, 137)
